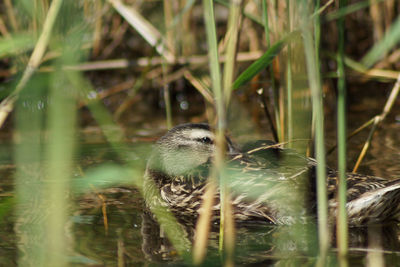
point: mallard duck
(267, 183)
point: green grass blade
(213, 54)
(247, 14)
(16, 44)
(263, 62)
(342, 12)
(389, 40)
(178, 18)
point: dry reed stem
(111, 91)
(377, 73)
(203, 223)
(154, 61)
(118, 37)
(125, 106)
(322, 9)
(170, 28)
(97, 28)
(7, 104)
(171, 77)
(371, 73)
(3, 29)
(187, 32)
(131, 99)
(11, 15)
(376, 15)
(144, 28)
(393, 58)
(378, 119)
(171, 45)
(232, 36)
(200, 86)
(380, 250)
(229, 235)
(35, 17)
(355, 132)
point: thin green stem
(289, 79)
(316, 91)
(317, 32)
(214, 61)
(342, 225)
(199, 250)
(233, 32)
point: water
(130, 235)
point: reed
(314, 79)
(342, 227)
(227, 231)
(216, 172)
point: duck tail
(376, 206)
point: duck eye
(206, 140)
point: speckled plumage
(267, 183)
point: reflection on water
(133, 234)
(134, 238)
(143, 241)
(100, 245)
